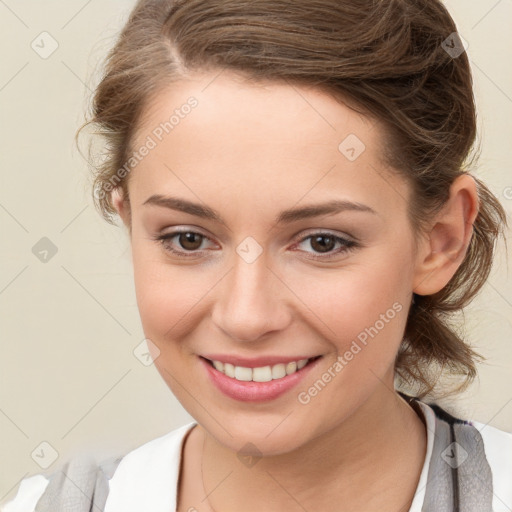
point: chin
(266, 438)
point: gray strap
(475, 476)
(81, 485)
(459, 476)
(104, 474)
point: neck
(355, 466)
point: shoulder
(84, 481)
(478, 454)
(146, 477)
(497, 443)
(498, 452)
(75, 482)
(29, 491)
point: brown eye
(323, 243)
(190, 240)
(183, 243)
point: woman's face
(259, 280)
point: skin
(250, 151)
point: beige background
(69, 326)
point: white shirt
(147, 477)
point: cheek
(168, 295)
(362, 313)
(365, 302)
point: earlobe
(444, 249)
(121, 204)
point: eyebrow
(284, 217)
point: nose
(252, 301)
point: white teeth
(301, 363)
(278, 371)
(291, 368)
(242, 373)
(260, 374)
(229, 370)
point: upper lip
(254, 362)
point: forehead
(262, 108)
(220, 132)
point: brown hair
(390, 57)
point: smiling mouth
(261, 373)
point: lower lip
(250, 391)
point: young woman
(292, 176)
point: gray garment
(459, 476)
(80, 486)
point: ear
(122, 206)
(443, 249)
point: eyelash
(348, 245)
